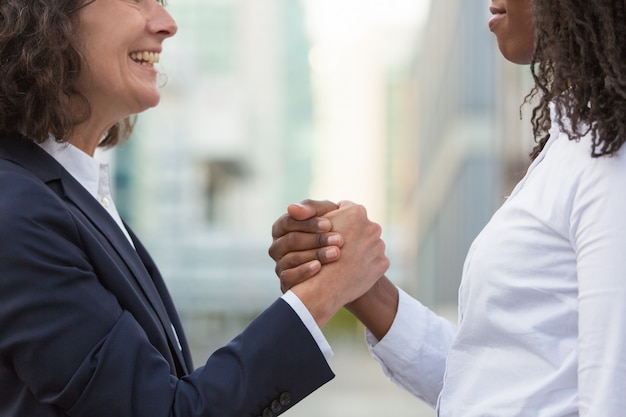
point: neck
(87, 138)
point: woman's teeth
(145, 57)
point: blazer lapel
(165, 297)
(41, 164)
(101, 220)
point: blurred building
(470, 148)
(228, 147)
(422, 125)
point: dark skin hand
(304, 241)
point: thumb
(300, 212)
(310, 208)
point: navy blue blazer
(86, 319)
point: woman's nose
(162, 22)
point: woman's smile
(145, 58)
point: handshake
(331, 255)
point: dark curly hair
(580, 64)
(40, 64)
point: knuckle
(383, 268)
(289, 260)
(278, 227)
(361, 210)
(330, 204)
(291, 240)
(285, 279)
(320, 240)
(272, 251)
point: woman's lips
(498, 15)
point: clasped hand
(328, 254)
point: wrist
(377, 308)
(321, 303)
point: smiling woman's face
(513, 26)
(120, 41)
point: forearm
(318, 299)
(414, 351)
(377, 308)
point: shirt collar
(85, 169)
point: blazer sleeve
(66, 338)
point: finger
(298, 242)
(300, 211)
(286, 224)
(294, 276)
(294, 259)
(345, 203)
(349, 215)
(310, 208)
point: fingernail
(313, 265)
(324, 224)
(334, 240)
(330, 253)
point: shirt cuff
(414, 351)
(403, 332)
(309, 322)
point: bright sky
(345, 19)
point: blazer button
(268, 413)
(276, 407)
(284, 399)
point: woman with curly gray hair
(542, 302)
(87, 327)
(41, 65)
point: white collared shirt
(91, 174)
(542, 303)
(95, 178)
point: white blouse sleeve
(414, 351)
(598, 233)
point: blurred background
(404, 106)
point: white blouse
(542, 303)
